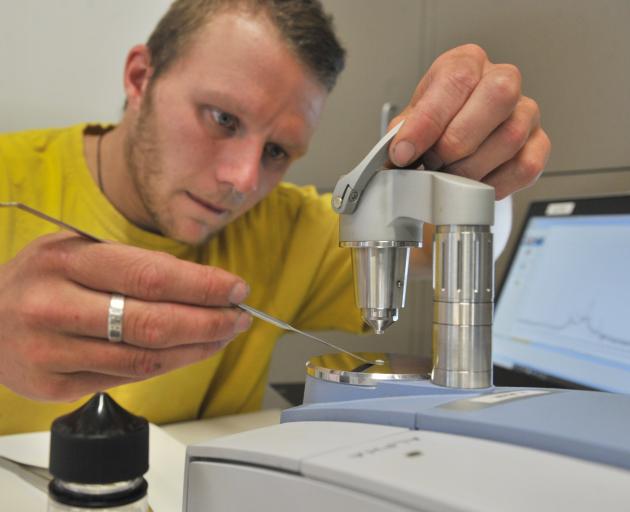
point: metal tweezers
(252, 311)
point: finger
(120, 360)
(449, 83)
(83, 312)
(524, 169)
(503, 144)
(151, 275)
(491, 103)
(162, 325)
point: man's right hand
(54, 300)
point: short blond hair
(303, 24)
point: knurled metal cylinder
(463, 294)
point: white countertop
(167, 453)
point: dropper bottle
(98, 456)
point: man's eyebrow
(227, 102)
(297, 149)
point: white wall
(62, 63)
(575, 59)
(62, 60)
(384, 64)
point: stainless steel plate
(342, 368)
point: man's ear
(138, 72)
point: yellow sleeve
(329, 302)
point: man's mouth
(208, 206)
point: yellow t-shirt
(285, 248)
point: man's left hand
(468, 116)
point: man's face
(218, 130)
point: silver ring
(115, 317)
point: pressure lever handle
(350, 186)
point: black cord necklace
(98, 163)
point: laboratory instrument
(414, 434)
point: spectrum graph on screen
(564, 310)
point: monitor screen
(563, 312)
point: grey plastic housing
(398, 201)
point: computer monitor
(562, 314)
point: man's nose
(239, 165)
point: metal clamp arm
(350, 186)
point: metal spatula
(252, 311)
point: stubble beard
(144, 163)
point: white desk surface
(191, 432)
(167, 452)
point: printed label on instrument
(488, 400)
(565, 208)
(494, 398)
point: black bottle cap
(99, 443)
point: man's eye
(275, 152)
(224, 119)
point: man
(223, 98)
